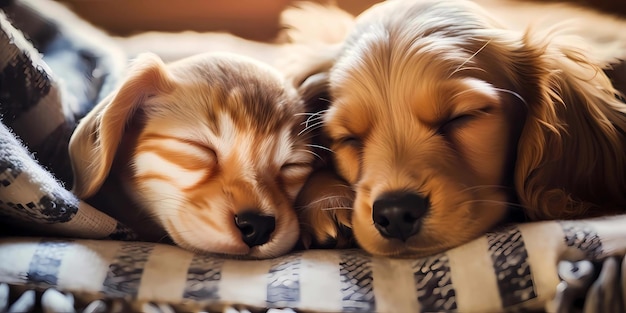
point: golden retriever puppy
(441, 119)
(209, 146)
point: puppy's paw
(325, 211)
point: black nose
(398, 214)
(255, 228)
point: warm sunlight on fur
(209, 146)
(442, 120)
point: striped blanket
(54, 67)
(550, 266)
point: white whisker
(307, 113)
(329, 198)
(493, 202)
(484, 187)
(337, 208)
(321, 147)
(313, 153)
(317, 115)
(515, 94)
(309, 120)
(470, 58)
(311, 127)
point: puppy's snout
(398, 215)
(255, 228)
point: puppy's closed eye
(349, 141)
(460, 120)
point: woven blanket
(540, 266)
(54, 68)
(49, 78)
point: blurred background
(251, 19)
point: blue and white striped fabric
(514, 268)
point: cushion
(533, 266)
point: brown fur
(195, 143)
(438, 99)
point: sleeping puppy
(441, 119)
(210, 147)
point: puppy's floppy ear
(571, 152)
(314, 91)
(95, 141)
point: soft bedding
(54, 67)
(549, 266)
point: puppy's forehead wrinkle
(363, 68)
(432, 36)
(254, 95)
(270, 151)
(396, 76)
(379, 64)
(264, 111)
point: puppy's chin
(440, 229)
(190, 233)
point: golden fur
(197, 144)
(443, 119)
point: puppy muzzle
(399, 214)
(256, 229)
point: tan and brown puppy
(441, 118)
(209, 146)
